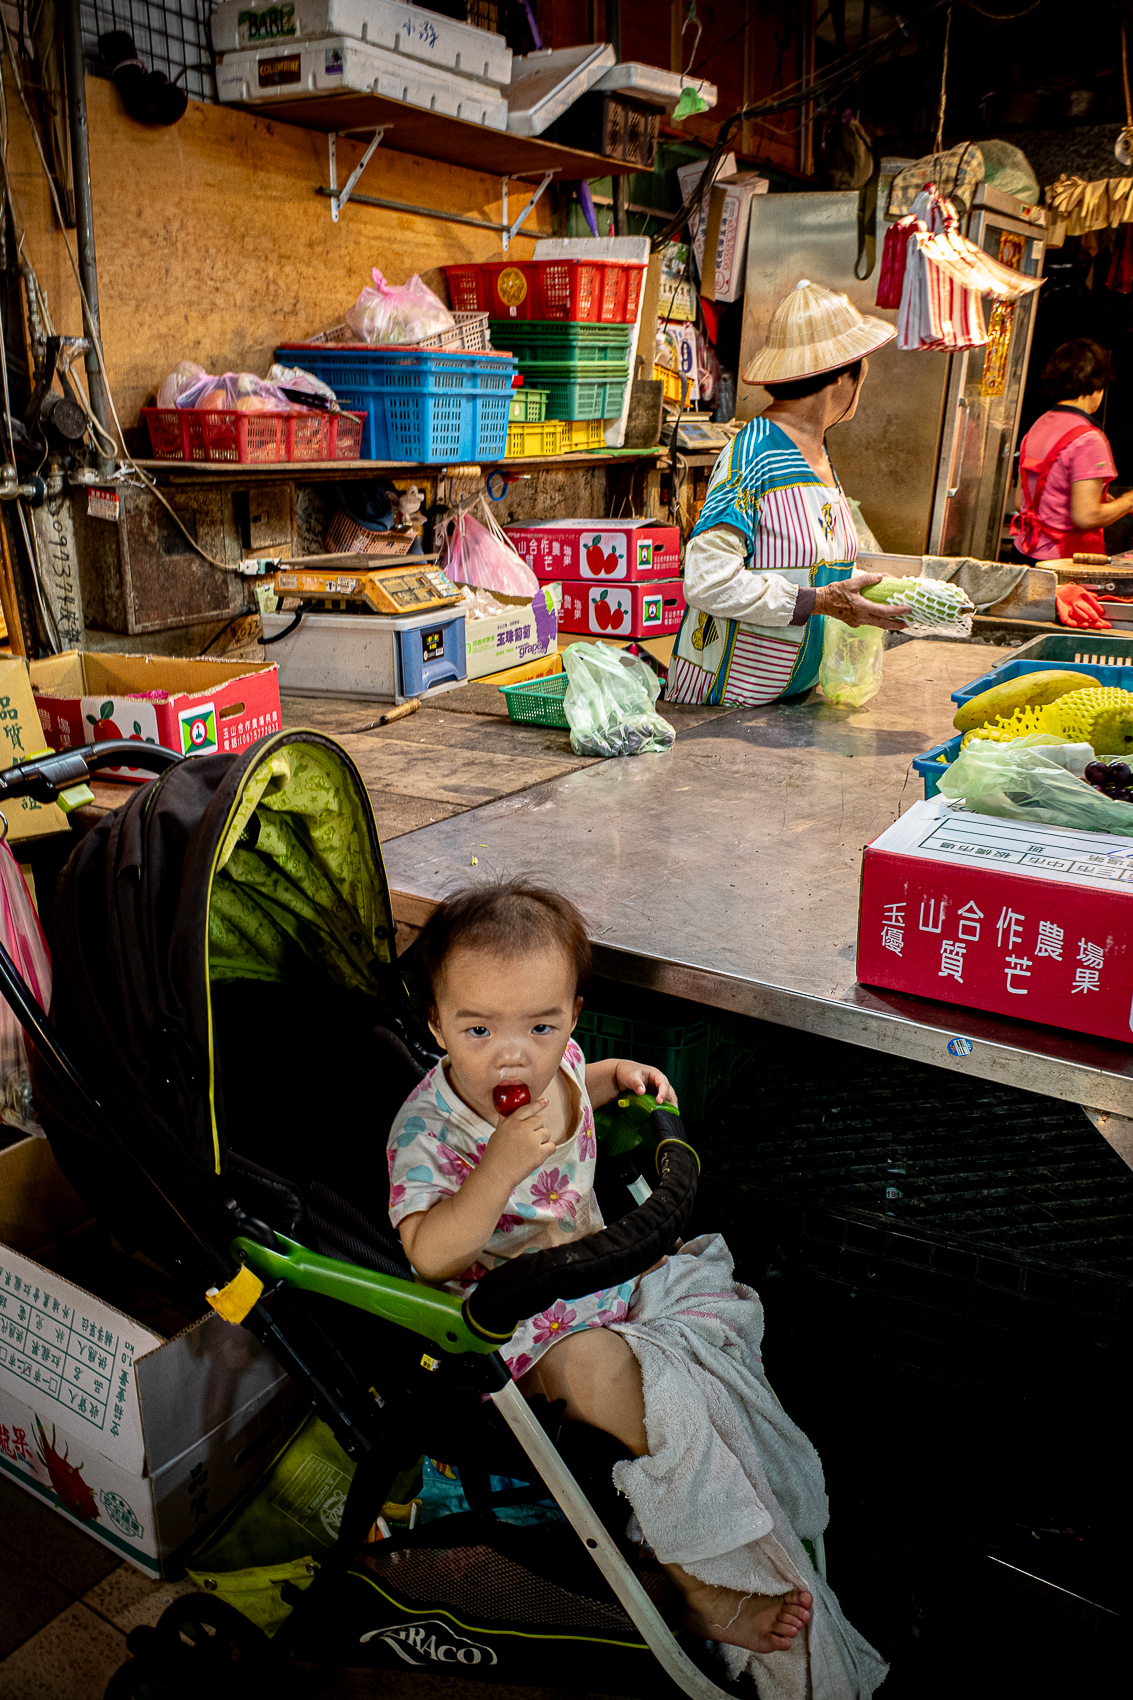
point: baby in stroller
(505, 965)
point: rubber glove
(1080, 607)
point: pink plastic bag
(23, 939)
(405, 312)
(482, 555)
(183, 375)
(239, 391)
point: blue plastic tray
(1121, 677)
(421, 406)
(930, 769)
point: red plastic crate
(595, 292)
(223, 434)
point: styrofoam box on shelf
(411, 31)
(544, 84)
(282, 72)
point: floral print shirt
(435, 1143)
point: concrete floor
(66, 1602)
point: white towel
(730, 1485)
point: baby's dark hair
(510, 918)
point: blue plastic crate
(1121, 677)
(1108, 649)
(421, 406)
(930, 769)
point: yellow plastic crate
(584, 434)
(671, 381)
(546, 437)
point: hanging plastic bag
(23, 939)
(1036, 778)
(479, 553)
(398, 312)
(611, 703)
(849, 673)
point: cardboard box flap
(210, 1373)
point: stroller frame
(260, 1268)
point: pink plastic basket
(596, 292)
(251, 439)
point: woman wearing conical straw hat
(772, 555)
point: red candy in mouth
(509, 1096)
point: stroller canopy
(263, 870)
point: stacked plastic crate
(568, 324)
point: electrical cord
(96, 340)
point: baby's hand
(519, 1144)
(640, 1078)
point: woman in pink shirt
(1065, 462)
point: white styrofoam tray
(649, 83)
(545, 84)
(294, 71)
(409, 30)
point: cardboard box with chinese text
(139, 1433)
(22, 736)
(1014, 917)
(195, 707)
(602, 550)
(623, 610)
(523, 631)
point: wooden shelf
(304, 471)
(432, 135)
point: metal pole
(84, 211)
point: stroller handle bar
(520, 1287)
(61, 777)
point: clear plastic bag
(1036, 778)
(24, 941)
(398, 312)
(849, 673)
(611, 703)
(479, 553)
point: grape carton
(598, 551)
(622, 610)
(1010, 916)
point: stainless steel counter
(727, 871)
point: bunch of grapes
(1113, 778)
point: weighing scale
(352, 583)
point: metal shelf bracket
(508, 232)
(339, 197)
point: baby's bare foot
(763, 1623)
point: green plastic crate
(526, 342)
(586, 398)
(528, 407)
(537, 702)
(699, 1048)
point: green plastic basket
(538, 702)
(699, 1048)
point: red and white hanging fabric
(937, 311)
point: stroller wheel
(209, 1635)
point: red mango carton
(622, 610)
(599, 551)
(1009, 916)
(195, 707)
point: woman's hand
(640, 1078)
(844, 601)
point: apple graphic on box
(606, 616)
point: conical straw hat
(814, 330)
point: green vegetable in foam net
(931, 602)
